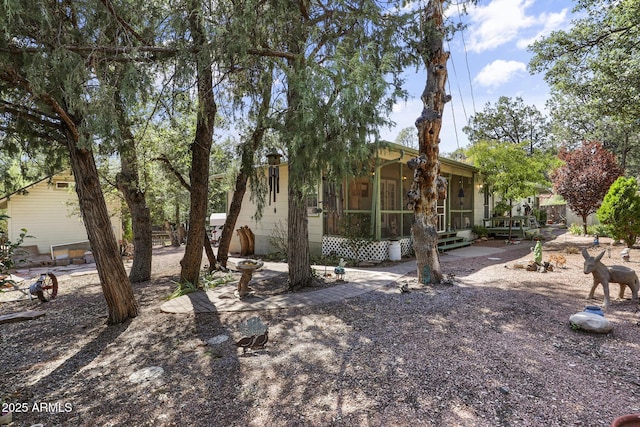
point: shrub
(599, 229)
(541, 216)
(278, 241)
(620, 210)
(480, 230)
(8, 250)
(356, 228)
(576, 229)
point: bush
(8, 250)
(541, 216)
(356, 228)
(620, 210)
(599, 229)
(576, 229)
(278, 241)
(480, 230)
(501, 208)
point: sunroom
(369, 214)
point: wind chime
(273, 159)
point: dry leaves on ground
(495, 349)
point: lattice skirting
(373, 251)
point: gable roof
(5, 199)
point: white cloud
(498, 23)
(404, 114)
(550, 22)
(499, 72)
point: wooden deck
(521, 226)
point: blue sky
(494, 65)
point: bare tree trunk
(246, 164)
(116, 287)
(232, 217)
(174, 229)
(510, 218)
(298, 255)
(428, 185)
(209, 251)
(200, 152)
(128, 183)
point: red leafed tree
(585, 177)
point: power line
(453, 114)
(466, 59)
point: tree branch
(164, 159)
(127, 27)
(272, 53)
(43, 135)
(11, 76)
(31, 115)
(97, 48)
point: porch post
(376, 215)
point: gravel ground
(493, 349)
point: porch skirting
(372, 251)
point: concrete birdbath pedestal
(246, 267)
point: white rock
(590, 322)
(218, 339)
(146, 374)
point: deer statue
(605, 275)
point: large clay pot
(630, 420)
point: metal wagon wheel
(49, 288)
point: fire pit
(247, 267)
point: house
(48, 210)
(376, 202)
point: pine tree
(47, 79)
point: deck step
(452, 239)
(446, 234)
(455, 245)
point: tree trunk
(246, 165)
(300, 274)
(116, 287)
(232, 217)
(428, 184)
(128, 183)
(584, 223)
(200, 152)
(510, 218)
(140, 223)
(209, 251)
(173, 229)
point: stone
(146, 374)
(218, 339)
(590, 322)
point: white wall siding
(50, 214)
(274, 216)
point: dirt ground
(493, 349)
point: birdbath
(247, 267)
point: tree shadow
(352, 373)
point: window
(312, 203)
